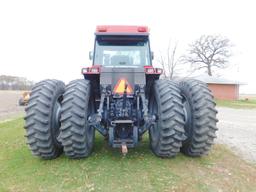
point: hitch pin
(124, 149)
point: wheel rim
(90, 133)
(187, 115)
(56, 120)
(154, 131)
(90, 129)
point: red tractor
(122, 97)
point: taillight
(142, 29)
(101, 29)
(95, 70)
(159, 70)
(151, 70)
(84, 70)
(91, 70)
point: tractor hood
(116, 77)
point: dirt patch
(237, 129)
(9, 107)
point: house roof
(217, 80)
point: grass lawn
(107, 170)
(239, 104)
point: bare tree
(209, 52)
(169, 61)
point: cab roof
(121, 30)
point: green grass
(238, 104)
(107, 170)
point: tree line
(15, 83)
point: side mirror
(152, 55)
(90, 55)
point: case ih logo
(120, 87)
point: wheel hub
(56, 121)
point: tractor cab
(118, 46)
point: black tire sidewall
(154, 135)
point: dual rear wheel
(56, 118)
(186, 118)
(42, 114)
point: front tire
(167, 134)
(76, 136)
(201, 118)
(42, 119)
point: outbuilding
(221, 88)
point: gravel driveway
(237, 129)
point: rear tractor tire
(42, 119)
(201, 120)
(167, 134)
(76, 136)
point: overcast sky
(52, 38)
